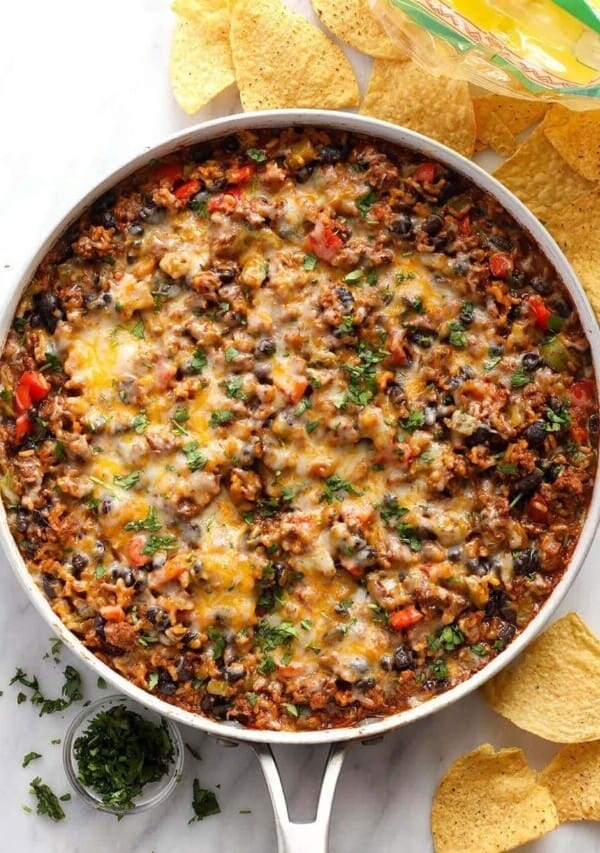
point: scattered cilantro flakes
(346, 327)
(365, 202)
(492, 362)
(457, 337)
(302, 407)
(127, 481)
(256, 154)
(291, 709)
(311, 426)
(52, 363)
(156, 543)
(220, 417)
(520, 378)
(310, 262)
(404, 275)
(555, 421)
(451, 637)
(47, 801)
(231, 353)
(233, 388)
(140, 423)
(354, 276)
(31, 756)
(438, 669)
(152, 680)
(336, 488)
(362, 377)
(413, 421)
(151, 522)
(479, 649)
(193, 457)
(218, 641)
(204, 803)
(138, 331)
(507, 468)
(21, 697)
(198, 362)
(101, 683)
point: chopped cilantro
(555, 421)
(291, 709)
(140, 423)
(354, 276)
(404, 275)
(451, 637)
(362, 384)
(466, 312)
(311, 426)
(156, 543)
(204, 803)
(231, 353)
(336, 488)
(256, 154)
(198, 362)
(233, 388)
(457, 337)
(193, 457)
(138, 331)
(52, 362)
(220, 417)
(438, 669)
(302, 407)
(346, 327)
(151, 522)
(218, 641)
(47, 801)
(391, 509)
(310, 262)
(507, 468)
(365, 202)
(127, 481)
(479, 649)
(492, 362)
(414, 420)
(31, 756)
(101, 683)
(520, 378)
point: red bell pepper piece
(425, 173)
(501, 265)
(187, 190)
(324, 242)
(23, 426)
(400, 620)
(540, 311)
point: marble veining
(83, 87)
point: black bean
(22, 520)
(433, 225)
(535, 434)
(420, 337)
(330, 154)
(165, 684)
(594, 423)
(201, 152)
(200, 198)
(152, 214)
(507, 632)
(345, 297)
(99, 623)
(495, 349)
(528, 483)
(525, 561)
(106, 505)
(105, 201)
(214, 706)
(531, 361)
(216, 185)
(562, 307)
(108, 220)
(303, 174)
(79, 562)
(478, 566)
(497, 601)
(227, 271)
(454, 553)
(402, 225)
(231, 144)
(403, 658)
(185, 670)
(466, 317)
(136, 229)
(541, 286)
(265, 347)
(396, 393)
(502, 243)
(140, 580)
(158, 617)
(263, 372)
(387, 663)
(48, 582)
(235, 671)
(484, 434)
(47, 311)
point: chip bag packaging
(537, 49)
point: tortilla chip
(401, 92)
(201, 64)
(553, 689)
(573, 779)
(489, 802)
(353, 23)
(575, 227)
(515, 113)
(539, 176)
(491, 131)
(283, 61)
(576, 137)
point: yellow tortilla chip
(573, 779)
(539, 176)
(553, 689)
(353, 22)
(283, 61)
(489, 802)
(491, 131)
(575, 227)
(201, 64)
(576, 137)
(401, 92)
(515, 113)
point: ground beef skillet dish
(298, 428)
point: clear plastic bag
(542, 49)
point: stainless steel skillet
(312, 836)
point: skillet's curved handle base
(312, 835)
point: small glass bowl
(153, 793)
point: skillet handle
(293, 837)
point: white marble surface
(82, 87)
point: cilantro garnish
(233, 388)
(310, 262)
(220, 417)
(156, 543)
(140, 423)
(336, 488)
(198, 362)
(193, 457)
(47, 801)
(415, 420)
(365, 202)
(127, 481)
(256, 154)
(204, 802)
(151, 522)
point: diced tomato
(31, 388)
(165, 373)
(169, 572)
(400, 620)
(22, 398)
(397, 356)
(23, 426)
(540, 311)
(224, 201)
(352, 567)
(501, 265)
(134, 550)
(426, 173)
(537, 508)
(187, 190)
(112, 613)
(171, 172)
(581, 395)
(323, 241)
(240, 174)
(465, 228)
(292, 386)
